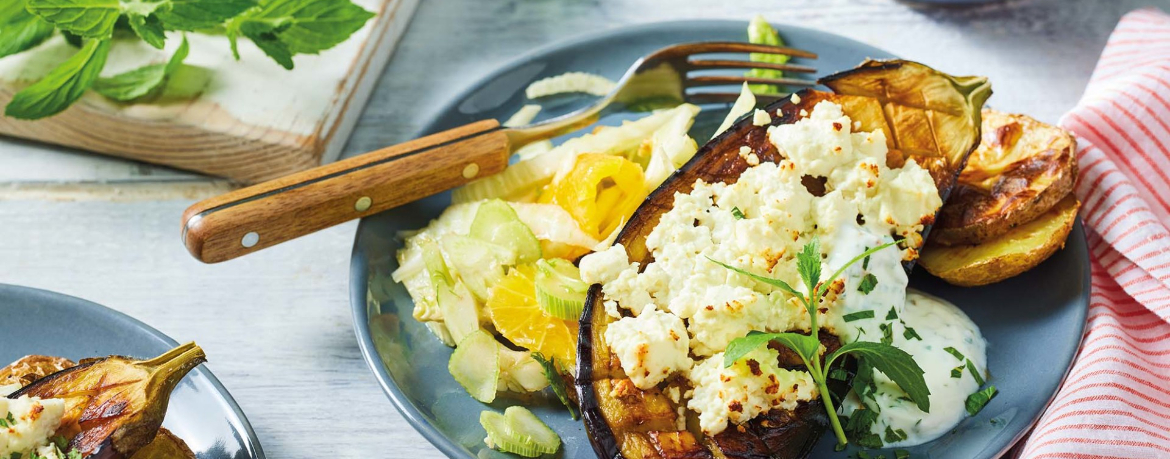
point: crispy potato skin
(1021, 169)
(1009, 255)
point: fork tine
(739, 47)
(710, 64)
(729, 97)
(712, 80)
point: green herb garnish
(555, 382)
(281, 28)
(894, 435)
(895, 363)
(738, 214)
(887, 333)
(901, 454)
(976, 401)
(893, 314)
(955, 352)
(857, 315)
(957, 372)
(975, 373)
(909, 333)
(867, 283)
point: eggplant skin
(926, 115)
(115, 406)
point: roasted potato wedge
(31, 368)
(926, 115)
(165, 446)
(1009, 255)
(1021, 169)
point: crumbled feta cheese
(795, 98)
(744, 151)
(35, 422)
(651, 346)
(753, 160)
(761, 118)
(5, 390)
(604, 266)
(753, 385)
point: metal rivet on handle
(250, 239)
(470, 171)
(362, 204)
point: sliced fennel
(497, 223)
(479, 264)
(559, 289)
(533, 149)
(742, 106)
(518, 431)
(520, 372)
(523, 116)
(671, 147)
(570, 82)
(521, 180)
(460, 310)
(550, 222)
(475, 365)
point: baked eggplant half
(114, 406)
(926, 115)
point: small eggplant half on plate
(114, 406)
(926, 115)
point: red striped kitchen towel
(1116, 400)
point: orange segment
(516, 315)
(600, 192)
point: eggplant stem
(178, 360)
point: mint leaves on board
(895, 363)
(141, 81)
(280, 28)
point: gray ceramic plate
(1033, 322)
(201, 411)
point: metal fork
(263, 215)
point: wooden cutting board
(248, 120)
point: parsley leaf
(62, 86)
(86, 18)
(895, 363)
(555, 382)
(868, 314)
(19, 29)
(955, 352)
(867, 283)
(975, 373)
(141, 81)
(976, 402)
(738, 214)
(805, 346)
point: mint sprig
(895, 363)
(281, 28)
(141, 81)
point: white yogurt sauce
(939, 324)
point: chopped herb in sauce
(901, 454)
(909, 333)
(858, 315)
(955, 352)
(867, 283)
(895, 435)
(893, 314)
(975, 373)
(887, 333)
(738, 214)
(976, 401)
(957, 372)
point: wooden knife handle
(267, 214)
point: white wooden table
(277, 326)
